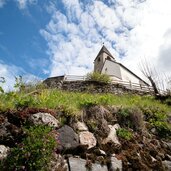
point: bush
(124, 133)
(95, 76)
(35, 151)
(88, 103)
(131, 117)
(157, 117)
(163, 129)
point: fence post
(65, 77)
(130, 84)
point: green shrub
(154, 113)
(124, 133)
(157, 117)
(35, 151)
(68, 110)
(23, 102)
(88, 103)
(163, 129)
(131, 117)
(95, 76)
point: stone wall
(90, 86)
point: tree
(150, 72)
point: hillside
(60, 130)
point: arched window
(108, 57)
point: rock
(153, 159)
(3, 152)
(78, 164)
(9, 133)
(101, 152)
(44, 118)
(68, 139)
(81, 126)
(167, 165)
(154, 131)
(112, 137)
(168, 157)
(168, 145)
(116, 165)
(87, 138)
(58, 163)
(96, 120)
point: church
(105, 63)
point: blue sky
(42, 38)
(21, 43)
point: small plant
(22, 102)
(2, 80)
(131, 117)
(68, 111)
(95, 76)
(163, 129)
(35, 151)
(157, 117)
(124, 133)
(19, 84)
(88, 103)
(92, 125)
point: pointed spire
(104, 49)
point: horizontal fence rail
(127, 84)
(74, 78)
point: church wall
(128, 76)
(112, 69)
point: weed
(124, 133)
(131, 117)
(2, 81)
(88, 103)
(163, 129)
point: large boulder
(87, 138)
(78, 164)
(68, 139)
(112, 137)
(96, 119)
(45, 119)
(3, 152)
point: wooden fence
(127, 84)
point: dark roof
(128, 71)
(104, 49)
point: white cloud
(2, 3)
(134, 28)
(22, 4)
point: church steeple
(101, 57)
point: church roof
(104, 49)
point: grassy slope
(54, 98)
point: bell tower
(100, 59)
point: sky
(45, 38)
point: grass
(52, 98)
